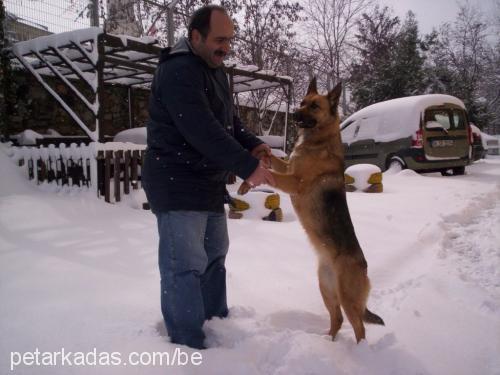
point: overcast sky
(431, 13)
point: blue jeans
(192, 252)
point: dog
(314, 178)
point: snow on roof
(56, 40)
(406, 105)
(245, 78)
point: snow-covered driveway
(80, 275)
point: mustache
(220, 53)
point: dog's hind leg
(327, 287)
(353, 288)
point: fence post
(100, 173)
(126, 173)
(116, 174)
(135, 160)
(107, 175)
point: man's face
(214, 48)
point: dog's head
(318, 111)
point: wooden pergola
(96, 58)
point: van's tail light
(471, 139)
(417, 140)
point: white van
(424, 133)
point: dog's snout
(298, 116)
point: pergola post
(99, 118)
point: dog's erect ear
(312, 89)
(334, 96)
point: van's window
(458, 119)
(347, 124)
(440, 116)
(368, 128)
(348, 132)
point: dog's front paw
(244, 188)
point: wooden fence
(111, 172)
(118, 172)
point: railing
(112, 169)
(117, 172)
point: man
(194, 141)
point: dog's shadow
(299, 320)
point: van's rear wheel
(395, 165)
(457, 171)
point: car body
(491, 144)
(425, 133)
(478, 150)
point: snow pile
(27, 137)
(135, 135)
(361, 173)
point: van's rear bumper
(415, 159)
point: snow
(56, 40)
(275, 141)
(361, 173)
(27, 137)
(81, 275)
(135, 135)
(393, 119)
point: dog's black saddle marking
(337, 222)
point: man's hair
(200, 20)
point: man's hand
(263, 153)
(260, 176)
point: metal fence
(27, 19)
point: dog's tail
(372, 318)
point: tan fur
(316, 167)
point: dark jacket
(194, 139)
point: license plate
(442, 143)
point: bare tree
(266, 40)
(331, 24)
(121, 18)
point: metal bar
(116, 42)
(90, 106)
(75, 68)
(85, 53)
(99, 118)
(118, 62)
(70, 111)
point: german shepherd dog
(314, 178)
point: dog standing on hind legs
(314, 178)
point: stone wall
(36, 109)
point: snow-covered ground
(80, 275)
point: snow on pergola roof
(95, 58)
